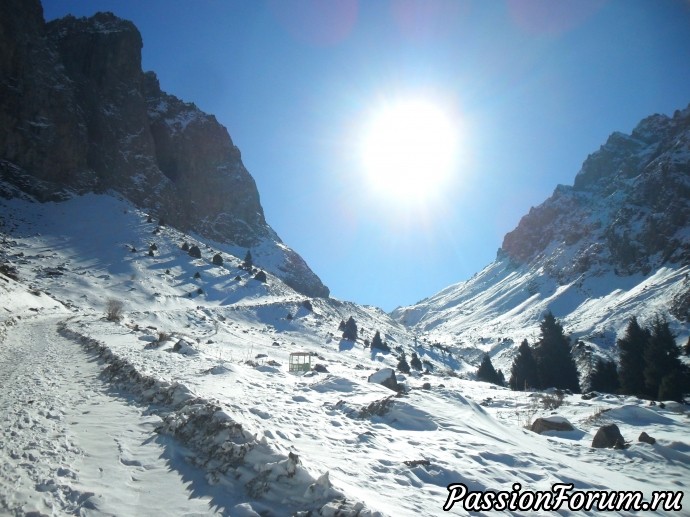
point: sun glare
(409, 150)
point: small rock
(645, 438)
(426, 386)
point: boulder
(385, 377)
(551, 423)
(184, 348)
(608, 436)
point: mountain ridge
(79, 114)
(616, 242)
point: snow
(104, 418)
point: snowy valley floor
(70, 445)
(186, 406)
(73, 443)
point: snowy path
(68, 446)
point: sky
(527, 88)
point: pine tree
(604, 376)
(350, 332)
(662, 364)
(415, 363)
(341, 327)
(523, 374)
(248, 260)
(403, 366)
(376, 341)
(486, 371)
(687, 347)
(632, 361)
(555, 363)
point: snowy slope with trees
(188, 381)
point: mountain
(615, 244)
(78, 114)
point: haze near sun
(409, 150)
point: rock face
(78, 113)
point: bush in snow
(185, 246)
(113, 309)
(261, 277)
(197, 275)
(194, 251)
(217, 260)
(415, 363)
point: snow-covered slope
(202, 365)
(615, 245)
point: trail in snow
(68, 445)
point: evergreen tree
(662, 363)
(350, 332)
(486, 371)
(632, 361)
(555, 363)
(604, 376)
(523, 374)
(501, 378)
(403, 366)
(415, 363)
(376, 341)
(248, 260)
(687, 347)
(341, 327)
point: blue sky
(532, 86)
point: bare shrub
(553, 401)
(113, 309)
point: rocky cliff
(628, 208)
(77, 113)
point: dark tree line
(650, 365)
(549, 364)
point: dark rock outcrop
(78, 113)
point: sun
(409, 150)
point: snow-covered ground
(186, 406)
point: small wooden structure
(300, 362)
